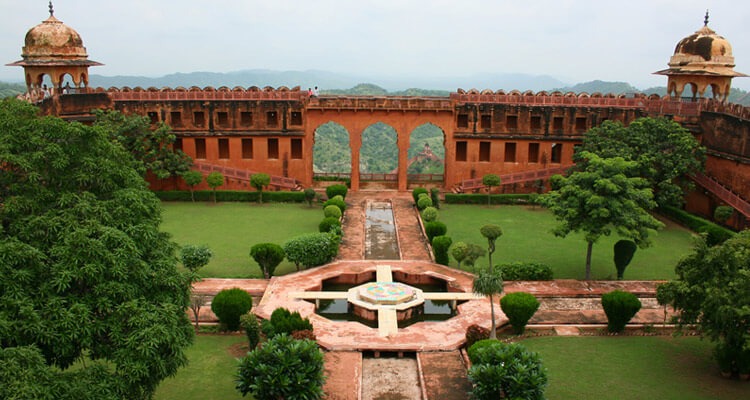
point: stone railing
(205, 94)
(380, 102)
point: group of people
(312, 92)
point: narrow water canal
(381, 241)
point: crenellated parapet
(208, 93)
(380, 103)
(544, 98)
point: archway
(426, 154)
(378, 156)
(332, 155)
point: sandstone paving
(444, 375)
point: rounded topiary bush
(416, 192)
(475, 333)
(472, 350)
(283, 321)
(424, 202)
(434, 228)
(429, 214)
(440, 246)
(526, 271)
(332, 211)
(620, 307)
(337, 201)
(336, 190)
(435, 196)
(329, 223)
(229, 305)
(519, 307)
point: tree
(197, 301)
(490, 180)
(489, 282)
(600, 199)
(195, 257)
(268, 256)
(282, 368)
(491, 233)
(665, 153)
(192, 179)
(310, 196)
(712, 290)
(259, 181)
(214, 180)
(153, 148)
(459, 252)
(85, 272)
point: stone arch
(426, 154)
(332, 152)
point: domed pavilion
(701, 61)
(54, 49)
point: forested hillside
(11, 89)
(369, 89)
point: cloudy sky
(572, 40)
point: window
(580, 124)
(153, 116)
(247, 148)
(536, 122)
(222, 119)
(486, 122)
(296, 118)
(461, 151)
(510, 152)
(200, 148)
(246, 118)
(557, 123)
(176, 118)
(199, 119)
(533, 153)
(463, 121)
(556, 153)
(484, 151)
(223, 148)
(297, 149)
(272, 119)
(273, 148)
(177, 145)
(511, 122)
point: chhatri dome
(56, 50)
(701, 60)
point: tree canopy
(85, 273)
(664, 151)
(602, 199)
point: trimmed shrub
(620, 307)
(723, 213)
(715, 234)
(424, 202)
(526, 271)
(310, 196)
(519, 307)
(337, 201)
(507, 371)
(336, 190)
(478, 198)
(312, 249)
(329, 223)
(268, 256)
(232, 195)
(283, 368)
(435, 196)
(472, 350)
(434, 228)
(429, 214)
(249, 323)
(416, 192)
(195, 257)
(332, 211)
(229, 305)
(440, 246)
(285, 322)
(475, 333)
(624, 251)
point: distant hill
(369, 89)
(600, 87)
(11, 89)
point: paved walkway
(444, 375)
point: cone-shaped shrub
(620, 307)
(519, 307)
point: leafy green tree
(490, 180)
(282, 368)
(459, 252)
(473, 253)
(624, 251)
(311, 249)
(259, 181)
(152, 148)
(195, 257)
(665, 153)
(712, 290)
(489, 282)
(600, 199)
(268, 256)
(491, 233)
(192, 179)
(214, 180)
(309, 196)
(85, 272)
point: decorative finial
(705, 20)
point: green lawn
(209, 373)
(527, 237)
(622, 368)
(231, 229)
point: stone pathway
(343, 370)
(444, 375)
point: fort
(519, 136)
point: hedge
(715, 234)
(477, 198)
(526, 271)
(232, 195)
